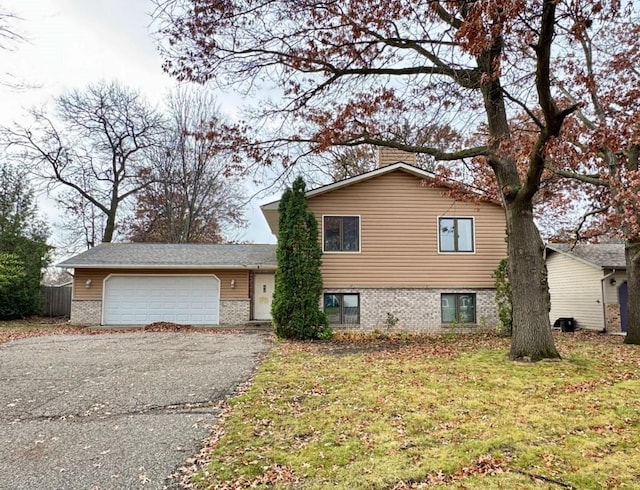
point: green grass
(455, 412)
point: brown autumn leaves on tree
(600, 149)
(353, 72)
(192, 196)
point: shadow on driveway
(114, 411)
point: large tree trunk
(531, 338)
(632, 254)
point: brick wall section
(90, 312)
(86, 312)
(613, 318)
(234, 312)
(416, 309)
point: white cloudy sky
(71, 43)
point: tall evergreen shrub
(23, 247)
(296, 309)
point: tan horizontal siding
(97, 276)
(576, 291)
(388, 156)
(399, 228)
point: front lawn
(452, 412)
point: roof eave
(580, 259)
(167, 266)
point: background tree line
(117, 167)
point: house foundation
(235, 312)
(232, 312)
(86, 312)
(416, 309)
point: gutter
(168, 266)
(604, 306)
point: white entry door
(139, 300)
(263, 286)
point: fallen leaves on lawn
(407, 343)
(485, 465)
(9, 334)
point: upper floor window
(341, 233)
(456, 235)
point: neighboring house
(140, 283)
(394, 251)
(587, 282)
(395, 248)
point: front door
(263, 285)
(623, 297)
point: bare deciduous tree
(94, 145)
(195, 195)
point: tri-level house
(396, 251)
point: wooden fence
(56, 301)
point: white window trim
(473, 231)
(359, 234)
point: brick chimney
(387, 156)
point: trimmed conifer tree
(296, 309)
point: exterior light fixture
(87, 284)
(233, 283)
(612, 281)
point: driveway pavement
(121, 411)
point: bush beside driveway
(114, 411)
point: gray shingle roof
(158, 255)
(605, 255)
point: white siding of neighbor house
(611, 292)
(576, 291)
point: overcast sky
(71, 43)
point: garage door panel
(135, 300)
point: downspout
(604, 305)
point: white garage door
(139, 300)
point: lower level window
(458, 307)
(342, 308)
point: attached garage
(140, 300)
(188, 284)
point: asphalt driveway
(113, 411)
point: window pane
(448, 305)
(464, 229)
(467, 307)
(350, 300)
(351, 308)
(331, 233)
(447, 235)
(350, 228)
(332, 307)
